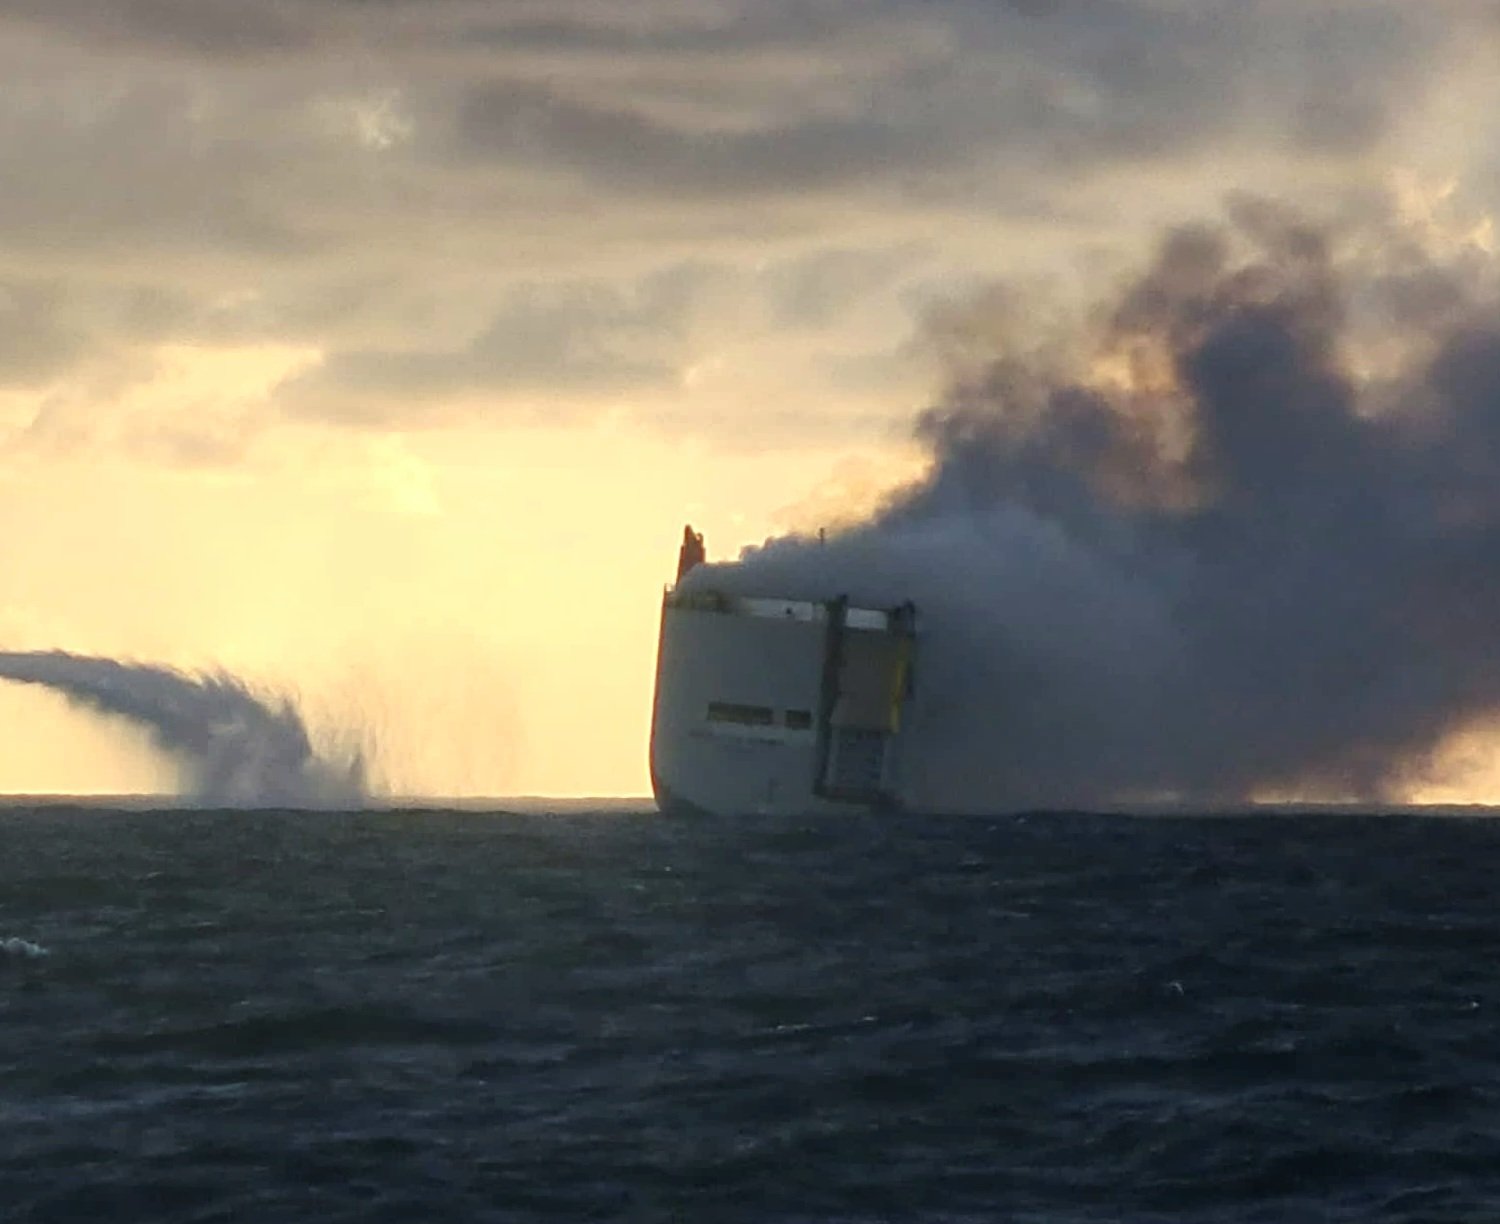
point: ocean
(479, 1015)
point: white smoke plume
(235, 748)
(1236, 535)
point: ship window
(733, 712)
(799, 720)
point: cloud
(454, 201)
(545, 340)
(1052, 90)
(210, 27)
(37, 340)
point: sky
(377, 351)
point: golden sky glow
(379, 353)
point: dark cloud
(1255, 570)
(372, 178)
(629, 148)
(780, 96)
(119, 169)
(1044, 90)
(211, 27)
(227, 29)
(37, 340)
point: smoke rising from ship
(1236, 532)
(234, 747)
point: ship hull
(776, 707)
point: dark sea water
(439, 1015)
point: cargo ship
(777, 706)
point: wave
(15, 948)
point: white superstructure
(778, 705)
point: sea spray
(235, 746)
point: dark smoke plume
(1238, 534)
(234, 747)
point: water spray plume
(1241, 534)
(235, 747)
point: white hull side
(740, 699)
